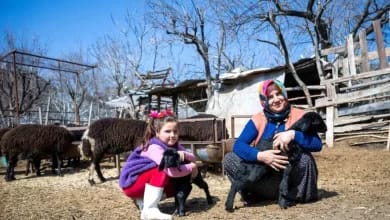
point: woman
(271, 125)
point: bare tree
(77, 84)
(315, 24)
(22, 87)
(188, 25)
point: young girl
(140, 178)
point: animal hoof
(91, 182)
(8, 179)
(181, 214)
(284, 203)
(229, 209)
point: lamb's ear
(178, 163)
(162, 164)
(305, 126)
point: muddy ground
(354, 183)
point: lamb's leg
(37, 164)
(91, 173)
(28, 164)
(284, 201)
(58, 159)
(199, 181)
(181, 195)
(234, 188)
(10, 173)
(97, 160)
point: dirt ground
(354, 183)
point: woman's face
(277, 102)
(168, 133)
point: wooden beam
(363, 51)
(351, 56)
(358, 76)
(380, 44)
(365, 108)
(329, 135)
(337, 50)
(352, 96)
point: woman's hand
(282, 139)
(273, 159)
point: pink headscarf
(263, 89)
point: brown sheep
(33, 141)
(110, 136)
(201, 128)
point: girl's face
(168, 133)
(277, 102)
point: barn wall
(239, 99)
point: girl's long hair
(154, 126)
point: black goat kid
(249, 173)
(183, 187)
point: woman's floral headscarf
(263, 89)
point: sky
(64, 25)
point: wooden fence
(357, 97)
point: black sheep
(249, 173)
(182, 185)
(33, 141)
(110, 136)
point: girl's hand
(282, 139)
(182, 155)
(273, 159)
(194, 170)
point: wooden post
(90, 113)
(363, 51)
(47, 111)
(388, 140)
(40, 115)
(351, 58)
(380, 44)
(329, 139)
(17, 119)
(118, 164)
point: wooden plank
(345, 70)
(350, 120)
(359, 136)
(380, 44)
(310, 87)
(365, 108)
(370, 56)
(358, 127)
(363, 51)
(336, 50)
(351, 56)
(370, 83)
(388, 140)
(358, 118)
(352, 96)
(358, 76)
(367, 142)
(329, 135)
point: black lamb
(110, 136)
(182, 185)
(249, 173)
(32, 142)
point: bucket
(211, 153)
